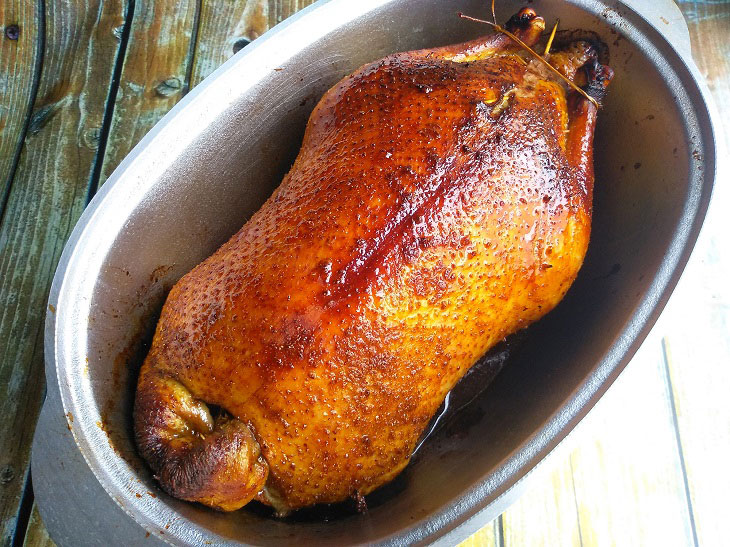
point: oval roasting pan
(213, 160)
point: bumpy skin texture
(441, 200)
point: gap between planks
(110, 101)
(36, 76)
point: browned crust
(441, 200)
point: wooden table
(81, 81)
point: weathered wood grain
(488, 536)
(627, 471)
(697, 320)
(154, 78)
(154, 73)
(225, 28)
(36, 534)
(281, 9)
(21, 37)
(546, 513)
(48, 193)
(619, 480)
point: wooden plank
(48, 192)
(154, 78)
(697, 320)
(36, 534)
(488, 536)
(157, 42)
(627, 470)
(546, 513)
(20, 60)
(154, 73)
(281, 9)
(619, 478)
(226, 27)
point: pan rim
(63, 341)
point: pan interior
(648, 150)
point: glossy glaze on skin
(441, 201)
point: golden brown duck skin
(441, 200)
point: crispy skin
(441, 200)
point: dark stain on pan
(160, 271)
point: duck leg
(195, 457)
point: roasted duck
(441, 200)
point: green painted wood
(154, 74)
(21, 34)
(21, 38)
(159, 68)
(48, 193)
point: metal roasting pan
(213, 160)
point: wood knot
(43, 115)
(7, 474)
(12, 32)
(239, 44)
(169, 87)
(91, 138)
